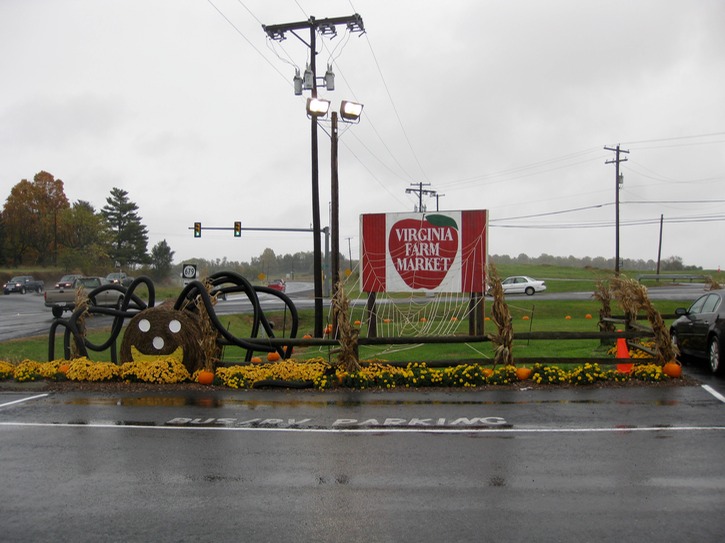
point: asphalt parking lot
(583, 464)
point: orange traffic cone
(623, 352)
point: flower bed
(317, 373)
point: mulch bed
(134, 388)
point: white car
(521, 284)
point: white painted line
(386, 430)
(23, 400)
(714, 393)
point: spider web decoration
(413, 314)
(422, 272)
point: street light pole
(326, 26)
(334, 218)
(317, 244)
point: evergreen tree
(162, 259)
(129, 244)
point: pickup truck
(23, 284)
(64, 298)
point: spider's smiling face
(162, 331)
(164, 339)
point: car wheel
(57, 312)
(40, 290)
(529, 291)
(119, 303)
(714, 352)
(23, 291)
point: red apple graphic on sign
(423, 250)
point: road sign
(188, 271)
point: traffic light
(197, 229)
(237, 229)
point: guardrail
(672, 277)
(521, 336)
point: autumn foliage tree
(84, 239)
(31, 216)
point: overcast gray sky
(502, 105)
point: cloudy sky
(502, 105)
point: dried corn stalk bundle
(81, 304)
(633, 296)
(712, 284)
(207, 340)
(501, 316)
(348, 335)
(603, 295)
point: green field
(529, 314)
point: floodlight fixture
(317, 107)
(350, 111)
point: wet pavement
(586, 464)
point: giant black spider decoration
(163, 329)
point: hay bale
(160, 331)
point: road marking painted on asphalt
(381, 430)
(714, 393)
(23, 400)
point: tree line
(39, 226)
(672, 263)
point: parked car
(521, 284)
(119, 278)
(699, 330)
(23, 284)
(278, 284)
(67, 280)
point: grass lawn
(528, 314)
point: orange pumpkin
(205, 377)
(273, 356)
(488, 372)
(307, 336)
(523, 373)
(672, 369)
(256, 360)
(63, 368)
(357, 323)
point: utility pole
(420, 191)
(438, 196)
(327, 26)
(659, 247)
(618, 182)
(349, 252)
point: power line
(247, 40)
(676, 138)
(560, 212)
